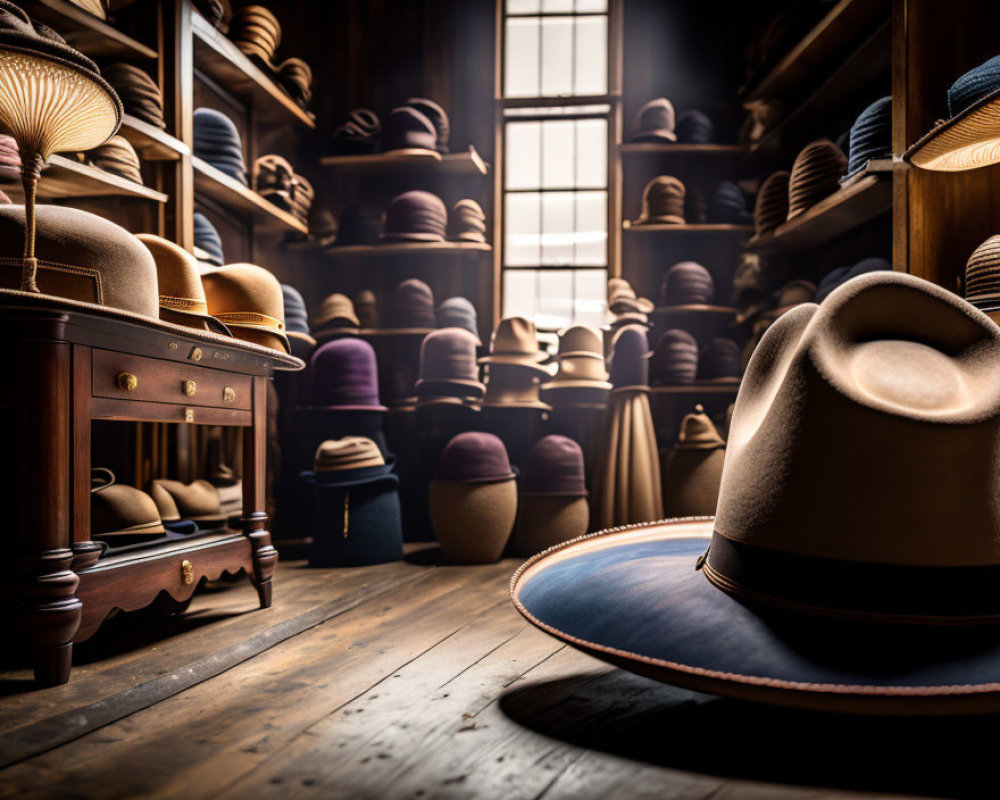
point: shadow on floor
(635, 718)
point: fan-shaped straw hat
(886, 602)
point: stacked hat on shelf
(419, 127)
(625, 307)
(514, 369)
(217, 142)
(656, 123)
(138, 91)
(207, 242)
(276, 181)
(416, 216)
(117, 157)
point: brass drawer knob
(189, 387)
(187, 572)
(229, 395)
(127, 381)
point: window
(556, 117)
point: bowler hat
(772, 202)
(457, 312)
(438, 117)
(553, 505)
(629, 365)
(197, 501)
(366, 307)
(654, 122)
(448, 365)
(344, 376)
(359, 135)
(694, 468)
(675, 360)
(207, 242)
(122, 514)
(662, 202)
(337, 311)
(695, 127)
(884, 604)
(82, 257)
(840, 276)
(248, 300)
(117, 157)
(728, 205)
(467, 222)
(296, 315)
(139, 93)
(411, 306)
(815, 175)
(871, 135)
(687, 283)
(581, 376)
(182, 296)
(358, 225)
(515, 341)
(719, 361)
(408, 132)
(416, 216)
(217, 141)
(512, 386)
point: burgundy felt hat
(344, 375)
(448, 364)
(629, 365)
(554, 467)
(475, 457)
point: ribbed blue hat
(207, 239)
(217, 141)
(695, 127)
(871, 135)
(974, 85)
(296, 316)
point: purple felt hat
(554, 467)
(416, 216)
(345, 376)
(407, 130)
(475, 457)
(629, 365)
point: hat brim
(532, 361)
(654, 135)
(212, 323)
(969, 140)
(411, 237)
(636, 599)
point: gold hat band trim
(184, 304)
(251, 318)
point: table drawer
(124, 377)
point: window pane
(586, 6)
(551, 6)
(592, 152)
(519, 293)
(557, 56)
(555, 299)
(591, 55)
(590, 297)
(521, 58)
(591, 229)
(522, 223)
(523, 155)
(558, 228)
(558, 154)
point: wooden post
(265, 557)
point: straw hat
(772, 202)
(182, 296)
(654, 122)
(438, 117)
(815, 175)
(687, 283)
(256, 32)
(515, 341)
(884, 604)
(662, 201)
(197, 501)
(552, 507)
(248, 300)
(416, 216)
(694, 468)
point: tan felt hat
(515, 341)
(198, 501)
(247, 299)
(693, 469)
(663, 201)
(351, 452)
(120, 511)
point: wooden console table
(72, 367)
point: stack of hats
(695, 127)
(336, 318)
(693, 469)
(344, 376)
(138, 92)
(982, 278)
(448, 370)
(197, 501)
(303, 195)
(675, 360)
(438, 117)
(457, 312)
(514, 368)
(687, 283)
(217, 141)
(815, 175)
(296, 315)
(841, 275)
(248, 300)
(366, 308)
(256, 32)
(408, 131)
(654, 122)
(790, 295)
(273, 178)
(553, 506)
(625, 306)
(719, 361)
(662, 202)
(871, 136)
(728, 205)
(772, 203)
(207, 242)
(357, 517)
(581, 378)
(416, 216)
(411, 306)
(117, 157)
(467, 222)
(359, 135)
(295, 77)
(473, 499)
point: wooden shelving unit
(88, 34)
(407, 249)
(696, 310)
(468, 162)
(234, 195)
(689, 230)
(688, 150)
(152, 143)
(220, 59)
(64, 178)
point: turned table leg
(265, 557)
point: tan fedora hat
(853, 562)
(197, 501)
(121, 514)
(512, 386)
(248, 300)
(581, 375)
(693, 469)
(182, 296)
(515, 341)
(337, 311)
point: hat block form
(544, 521)
(473, 521)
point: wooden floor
(415, 680)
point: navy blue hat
(694, 127)
(457, 312)
(217, 141)
(841, 275)
(358, 225)
(207, 241)
(973, 86)
(871, 135)
(728, 205)
(296, 316)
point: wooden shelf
(698, 388)
(386, 333)
(406, 248)
(677, 311)
(234, 195)
(468, 162)
(222, 61)
(836, 31)
(152, 143)
(706, 150)
(715, 228)
(63, 178)
(88, 34)
(852, 205)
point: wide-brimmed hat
(416, 216)
(654, 122)
(448, 365)
(217, 141)
(197, 501)
(407, 131)
(411, 306)
(359, 135)
(629, 364)
(336, 312)
(358, 225)
(438, 117)
(982, 278)
(139, 93)
(815, 175)
(256, 32)
(719, 361)
(662, 201)
(886, 603)
(728, 205)
(695, 127)
(467, 222)
(247, 299)
(871, 136)
(687, 283)
(296, 314)
(772, 202)
(82, 257)
(512, 386)
(457, 312)
(675, 360)
(515, 341)
(207, 242)
(969, 138)
(182, 296)
(841, 275)
(344, 376)
(121, 514)
(693, 469)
